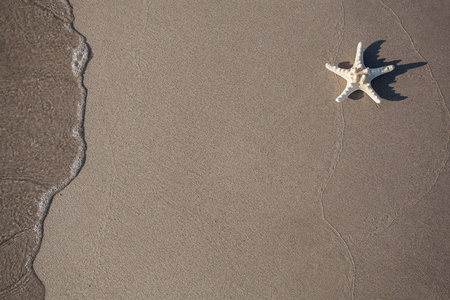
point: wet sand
(219, 165)
(41, 128)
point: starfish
(359, 76)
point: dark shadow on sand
(382, 84)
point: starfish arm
(367, 88)
(373, 73)
(350, 88)
(359, 58)
(339, 71)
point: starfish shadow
(381, 83)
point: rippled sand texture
(42, 102)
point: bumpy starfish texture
(359, 76)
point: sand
(219, 166)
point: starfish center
(357, 74)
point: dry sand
(219, 166)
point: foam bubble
(79, 59)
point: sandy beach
(219, 166)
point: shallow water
(42, 103)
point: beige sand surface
(220, 167)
